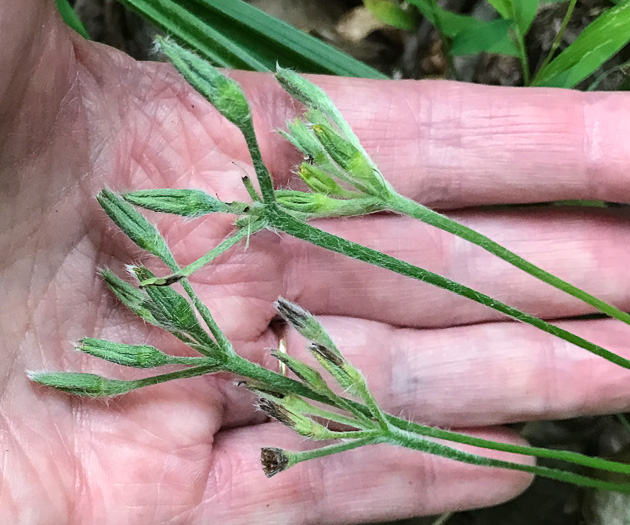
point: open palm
(78, 116)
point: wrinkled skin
(78, 116)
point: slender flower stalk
(345, 181)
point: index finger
(450, 145)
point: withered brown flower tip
(273, 460)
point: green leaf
(489, 37)
(521, 12)
(391, 14)
(601, 39)
(71, 19)
(234, 34)
(451, 24)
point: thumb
(35, 59)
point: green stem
(522, 51)
(179, 374)
(557, 40)
(412, 441)
(203, 310)
(298, 457)
(284, 222)
(418, 211)
(264, 178)
(242, 367)
(539, 452)
(180, 360)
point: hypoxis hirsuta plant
(344, 181)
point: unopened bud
(305, 373)
(188, 203)
(138, 356)
(335, 365)
(133, 223)
(359, 170)
(88, 385)
(295, 420)
(222, 92)
(321, 182)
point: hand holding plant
(426, 354)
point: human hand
(78, 116)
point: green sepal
(359, 170)
(188, 203)
(80, 384)
(222, 92)
(308, 206)
(137, 356)
(130, 296)
(133, 224)
(174, 312)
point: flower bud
(321, 182)
(359, 170)
(87, 385)
(130, 296)
(295, 420)
(335, 365)
(138, 356)
(189, 203)
(222, 92)
(133, 223)
(174, 313)
(305, 373)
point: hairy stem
(417, 211)
(288, 224)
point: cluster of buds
(344, 178)
(296, 413)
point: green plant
(345, 181)
(234, 34)
(596, 44)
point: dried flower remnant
(273, 460)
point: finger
(382, 482)
(587, 249)
(485, 374)
(449, 144)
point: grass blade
(71, 19)
(595, 45)
(231, 33)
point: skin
(78, 116)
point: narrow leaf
(71, 19)
(593, 47)
(489, 37)
(453, 23)
(391, 14)
(232, 33)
